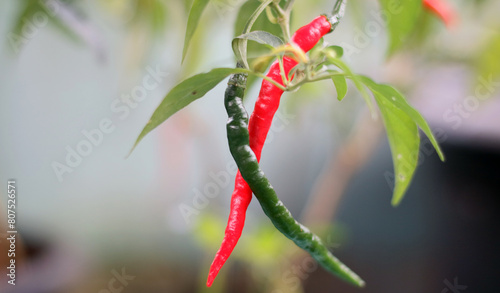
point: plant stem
(309, 78)
(270, 80)
(283, 18)
(249, 24)
(289, 6)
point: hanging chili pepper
(266, 106)
(443, 10)
(269, 97)
(239, 204)
(280, 216)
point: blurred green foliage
(401, 17)
(262, 249)
(488, 61)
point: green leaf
(183, 94)
(401, 121)
(404, 141)
(399, 101)
(260, 37)
(401, 17)
(193, 20)
(337, 50)
(263, 37)
(340, 85)
(359, 85)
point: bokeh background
(152, 221)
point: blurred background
(79, 80)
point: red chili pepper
(443, 10)
(259, 124)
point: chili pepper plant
(292, 60)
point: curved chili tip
(233, 233)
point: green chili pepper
(279, 215)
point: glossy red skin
(259, 124)
(443, 10)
